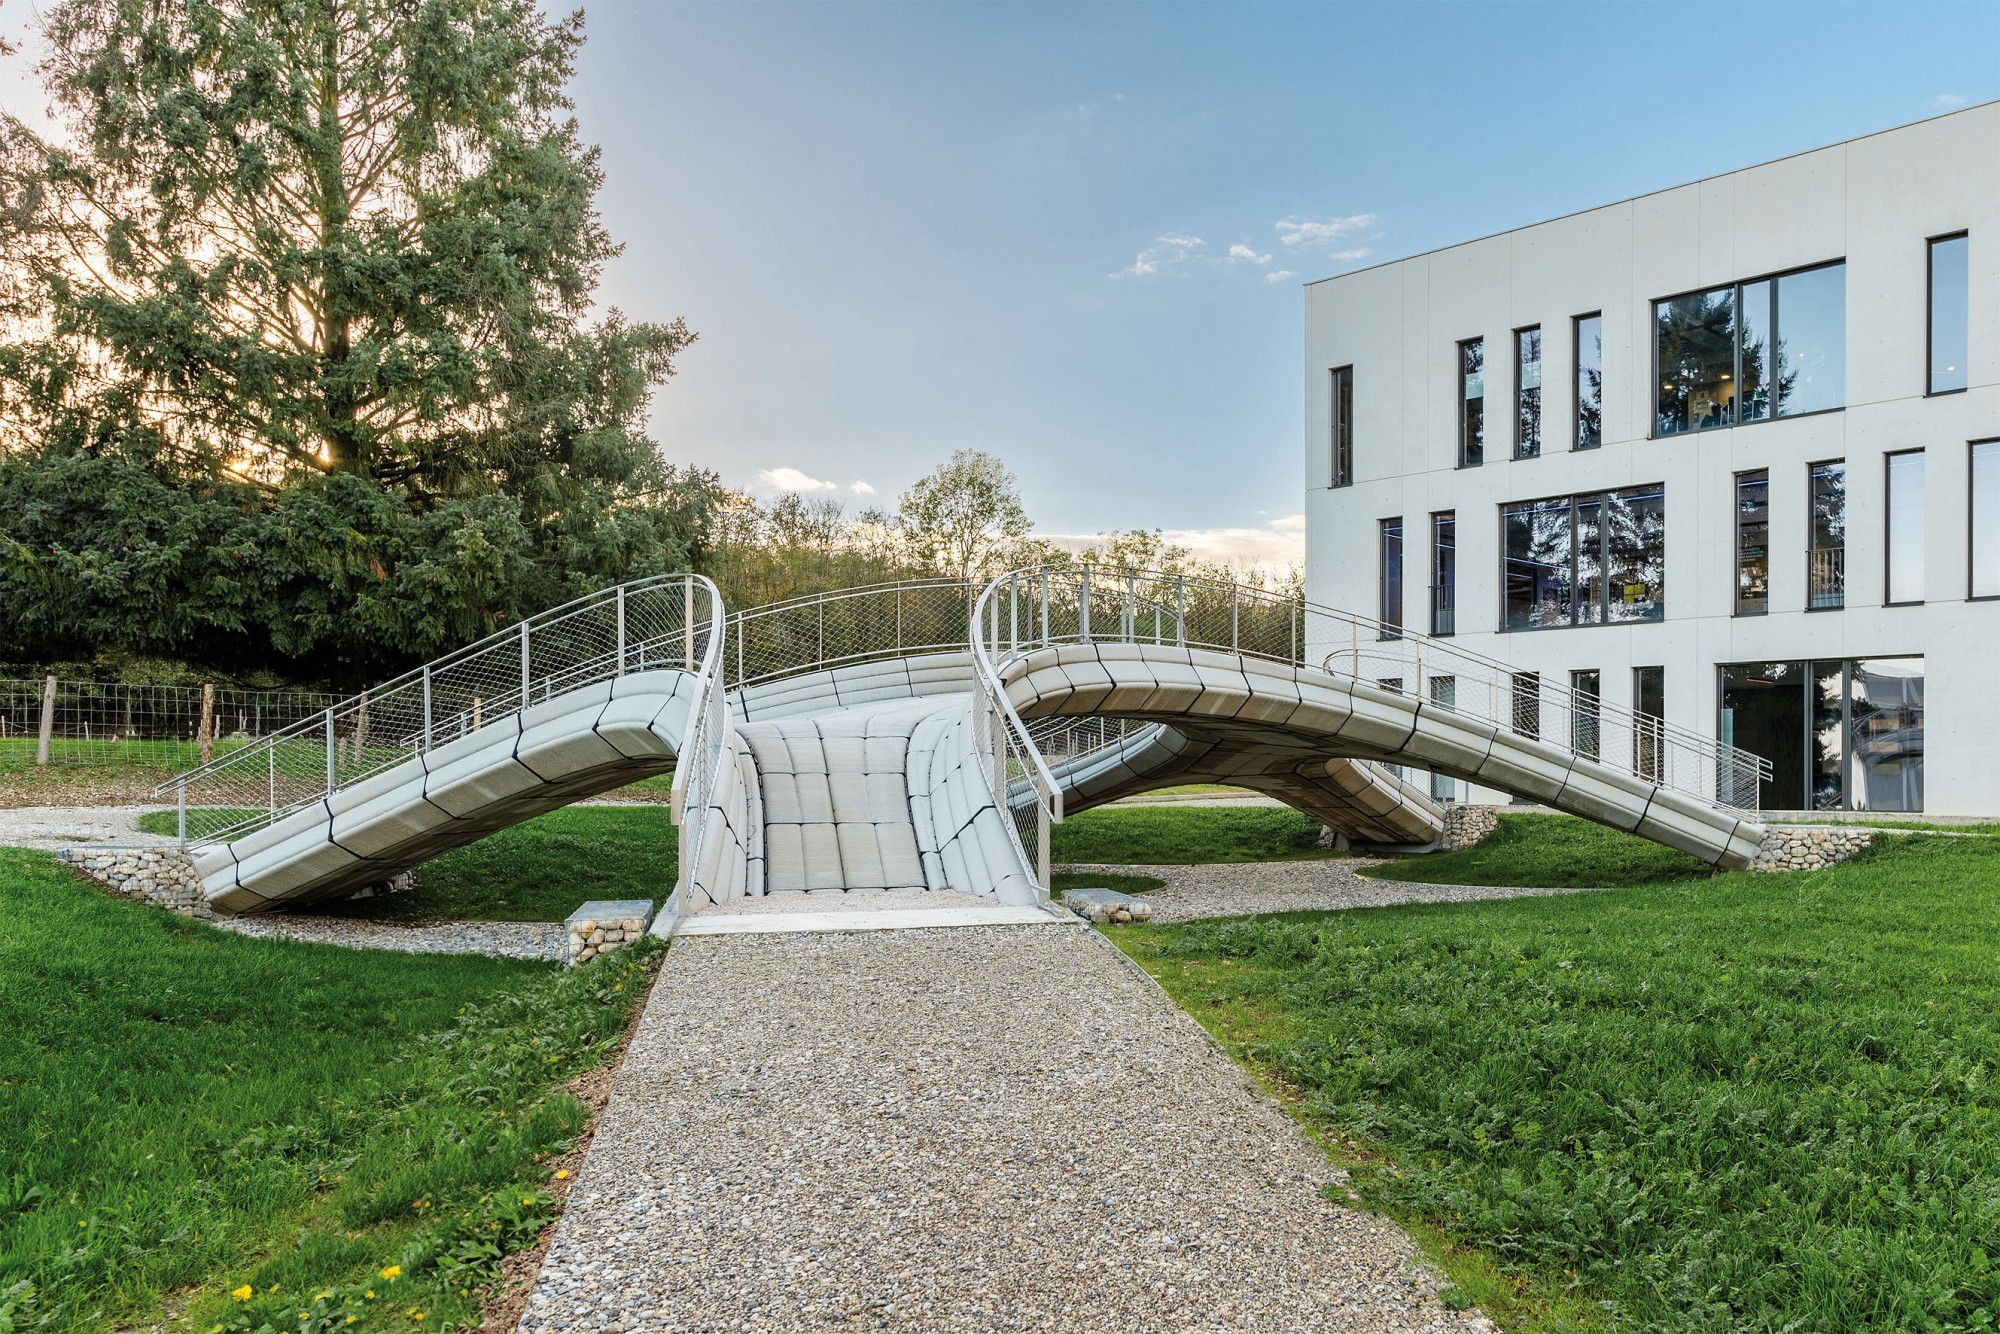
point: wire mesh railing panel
(852, 625)
(666, 622)
(139, 726)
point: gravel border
(982, 1128)
(52, 827)
(1245, 889)
(506, 940)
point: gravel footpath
(52, 827)
(833, 900)
(985, 1128)
(508, 940)
(1242, 889)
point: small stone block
(600, 926)
(1107, 905)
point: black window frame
(1888, 529)
(1443, 596)
(1649, 729)
(1736, 287)
(1386, 628)
(1930, 310)
(1736, 482)
(1341, 469)
(1812, 470)
(1463, 399)
(1591, 713)
(1972, 516)
(1576, 381)
(1520, 390)
(1575, 501)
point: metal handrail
(1006, 748)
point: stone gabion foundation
(1467, 826)
(601, 926)
(161, 876)
(1809, 847)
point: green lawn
(1185, 835)
(183, 1111)
(1747, 1102)
(1549, 852)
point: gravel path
(1242, 889)
(54, 827)
(987, 1128)
(509, 940)
(865, 900)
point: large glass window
(1885, 712)
(1472, 403)
(1589, 330)
(1763, 711)
(1584, 560)
(1753, 543)
(1985, 516)
(1840, 735)
(1342, 471)
(1649, 710)
(1904, 542)
(1826, 569)
(1773, 347)
(1444, 573)
(1527, 393)
(1391, 614)
(1948, 306)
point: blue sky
(905, 229)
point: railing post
(1235, 634)
(329, 750)
(181, 811)
(739, 647)
(1180, 606)
(621, 643)
(687, 621)
(427, 706)
(1045, 609)
(524, 664)
(1041, 837)
(1083, 607)
(1131, 607)
(270, 778)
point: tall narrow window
(1589, 343)
(1949, 255)
(1444, 694)
(1527, 700)
(1985, 519)
(1472, 403)
(1904, 544)
(1649, 714)
(1444, 573)
(1753, 543)
(1392, 578)
(1343, 427)
(1527, 393)
(1826, 569)
(1584, 732)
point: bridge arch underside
(1287, 730)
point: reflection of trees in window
(1635, 528)
(1589, 381)
(1826, 576)
(1714, 350)
(1586, 559)
(1472, 403)
(1695, 341)
(1527, 393)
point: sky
(1075, 235)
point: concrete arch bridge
(926, 735)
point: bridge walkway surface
(984, 1128)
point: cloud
(791, 479)
(1326, 235)
(862, 489)
(1279, 276)
(1244, 254)
(1947, 101)
(1166, 252)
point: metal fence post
(1235, 634)
(524, 664)
(329, 750)
(687, 621)
(205, 733)
(1083, 607)
(427, 706)
(621, 631)
(181, 810)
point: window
(1585, 734)
(1391, 614)
(1472, 403)
(1589, 343)
(1840, 735)
(1584, 560)
(1649, 714)
(1949, 256)
(1444, 694)
(1985, 504)
(1753, 543)
(1527, 393)
(1904, 547)
(1444, 573)
(1343, 427)
(1826, 570)
(1774, 347)
(1527, 702)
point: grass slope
(1185, 835)
(1754, 1102)
(1550, 852)
(183, 1111)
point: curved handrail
(698, 754)
(646, 624)
(1006, 749)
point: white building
(1728, 454)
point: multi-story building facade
(1727, 455)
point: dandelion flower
(562, 1174)
(392, 1272)
(351, 1319)
(370, 1294)
(244, 1293)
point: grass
(184, 1112)
(540, 871)
(1185, 836)
(1750, 1102)
(1550, 852)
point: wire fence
(53, 721)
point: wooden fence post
(48, 720)
(205, 734)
